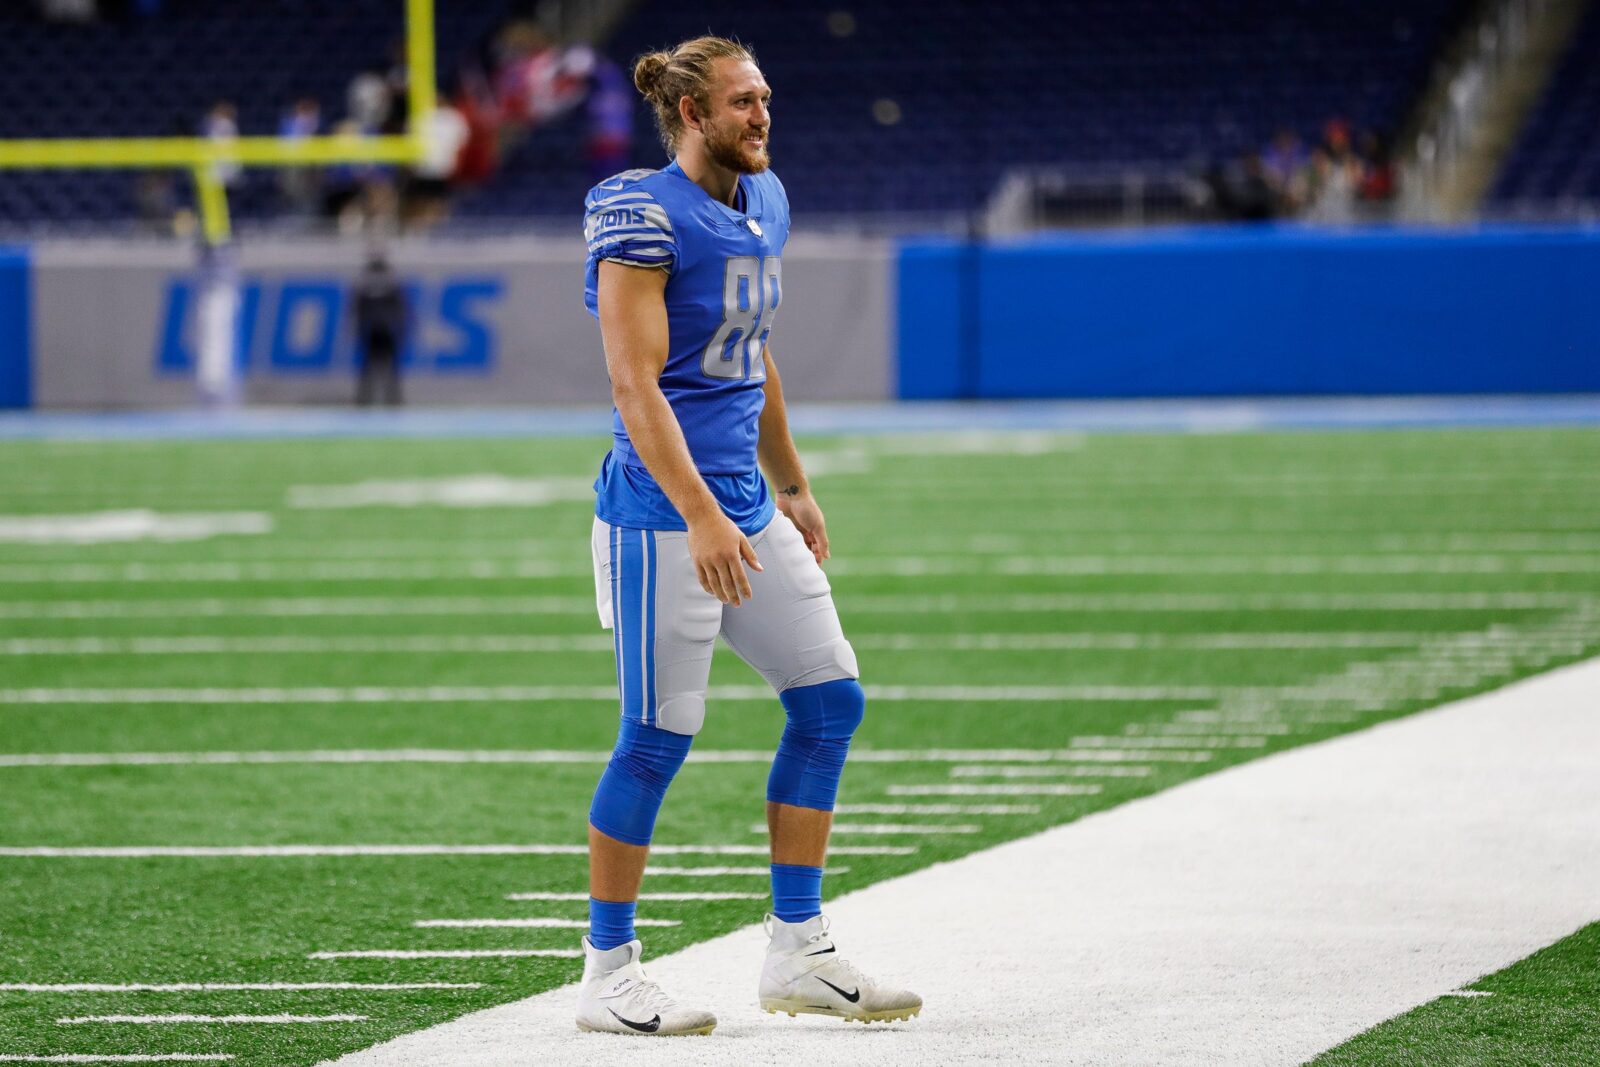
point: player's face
(739, 126)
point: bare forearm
(658, 439)
(775, 446)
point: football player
(685, 275)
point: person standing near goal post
(684, 274)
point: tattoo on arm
(793, 490)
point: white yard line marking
(1077, 565)
(449, 954)
(1408, 859)
(388, 571)
(1194, 741)
(541, 923)
(140, 524)
(536, 644)
(992, 790)
(978, 770)
(726, 872)
(279, 851)
(225, 987)
(1124, 755)
(883, 604)
(662, 897)
(533, 694)
(471, 756)
(160, 1020)
(480, 490)
(90, 1057)
(936, 809)
(888, 828)
(398, 644)
(1206, 729)
(1101, 641)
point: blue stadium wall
(16, 347)
(1276, 311)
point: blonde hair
(689, 70)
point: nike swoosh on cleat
(821, 951)
(645, 1028)
(852, 996)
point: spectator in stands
(359, 197)
(525, 66)
(480, 154)
(221, 125)
(428, 186)
(1285, 163)
(1242, 193)
(1378, 181)
(301, 186)
(1336, 176)
(608, 111)
(380, 316)
(368, 101)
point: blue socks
(796, 892)
(611, 921)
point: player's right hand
(720, 551)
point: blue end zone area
(16, 340)
(1286, 311)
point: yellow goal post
(202, 156)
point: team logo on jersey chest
(754, 228)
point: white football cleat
(803, 974)
(617, 998)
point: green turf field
(1048, 625)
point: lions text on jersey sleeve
(724, 287)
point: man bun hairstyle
(664, 78)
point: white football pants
(665, 625)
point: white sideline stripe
(722, 872)
(429, 755)
(158, 1020)
(1409, 860)
(1467, 993)
(664, 897)
(448, 954)
(541, 923)
(90, 1057)
(881, 604)
(526, 644)
(936, 809)
(225, 987)
(992, 790)
(889, 828)
(279, 851)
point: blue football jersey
(724, 287)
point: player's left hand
(806, 515)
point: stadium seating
(962, 91)
(1558, 156)
(156, 76)
(983, 87)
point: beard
(730, 150)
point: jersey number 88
(751, 290)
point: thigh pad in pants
(789, 630)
